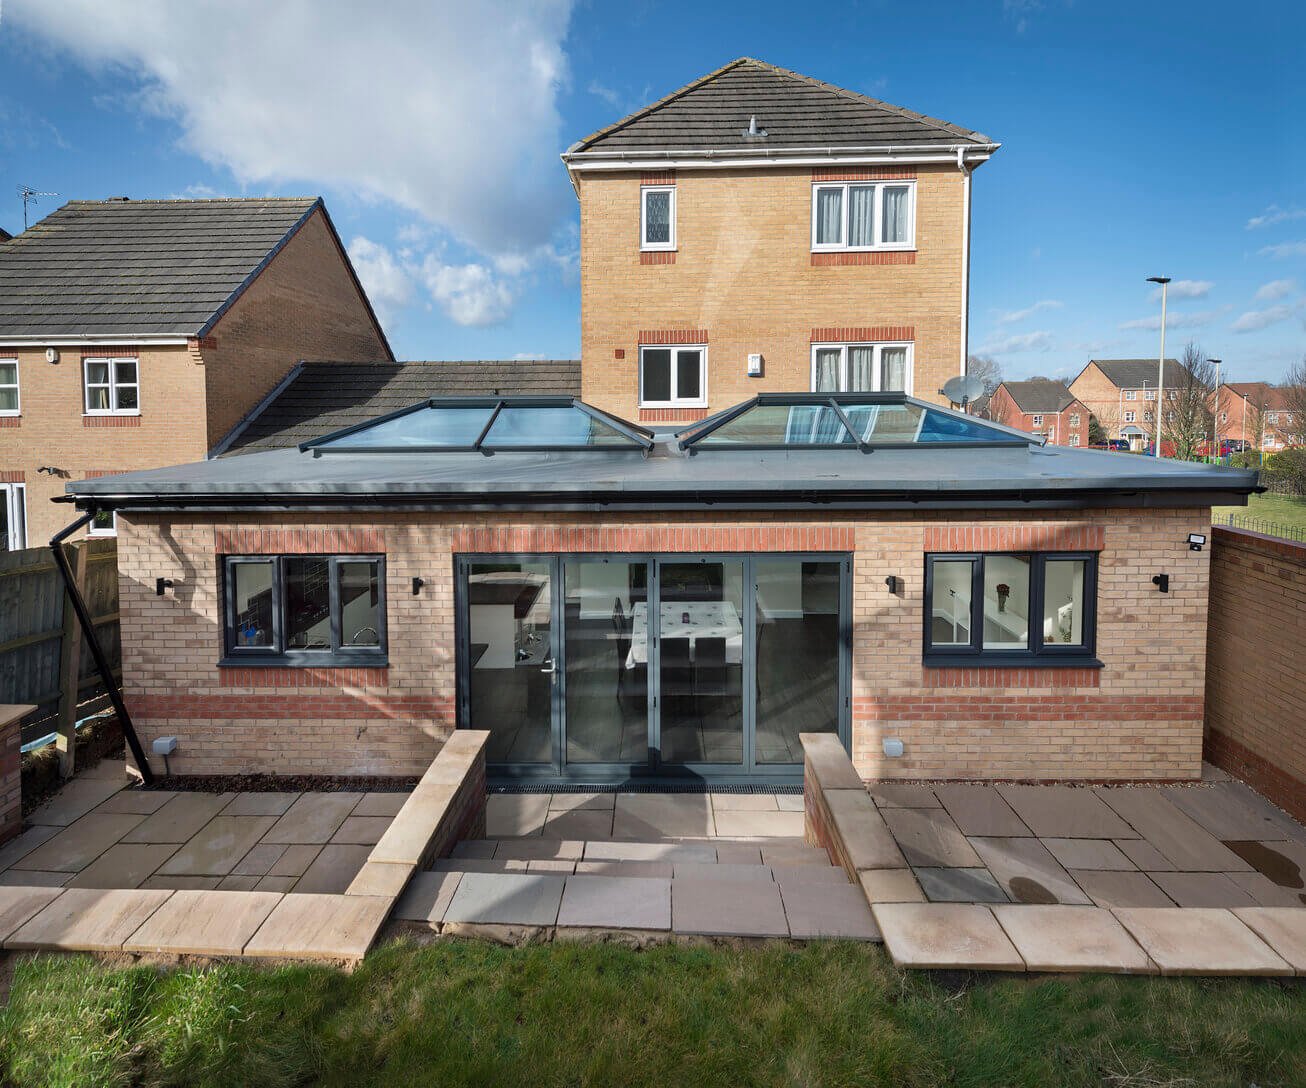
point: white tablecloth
(707, 619)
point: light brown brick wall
(304, 305)
(1256, 680)
(1139, 717)
(744, 272)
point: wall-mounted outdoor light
(892, 747)
(1162, 582)
(894, 583)
(160, 584)
(417, 586)
(1195, 541)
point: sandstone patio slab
(1230, 810)
(649, 851)
(929, 838)
(1284, 930)
(1266, 892)
(718, 871)
(35, 878)
(1065, 812)
(334, 869)
(744, 802)
(88, 919)
(17, 905)
(582, 802)
(313, 818)
(539, 849)
(578, 824)
(1089, 854)
(75, 799)
(830, 910)
(203, 923)
(875, 850)
(380, 804)
(1180, 839)
(624, 868)
(1059, 938)
(512, 814)
(1027, 872)
(218, 847)
(334, 927)
(716, 908)
(259, 860)
(260, 804)
(662, 815)
(828, 762)
(961, 936)
(739, 853)
(295, 861)
(180, 819)
(901, 795)
(736, 823)
(126, 865)
(1146, 857)
(817, 874)
(1187, 941)
(616, 902)
(427, 897)
(959, 886)
(789, 802)
(980, 810)
(891, 886)
(863, 830)
(1202, 890)
(79, 844)
(1108, 888)
(18, 848)
(1282, 862)
(140, 802)
(183, 883)
(361, 830)
(510, 899)
(474, 848)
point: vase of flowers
(1004, 591)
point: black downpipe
(101, 662)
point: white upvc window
(1272, 418)
(1150, 394)
(1129, 417)
(1130, 394)
(13, 517)
(1074, 440)
(1147, 417)
(657, 217)
(112, 387)
(673, 376)
(9, 400)
(1038, 421)
(1224, 417)
(862, 368)
(1074, 419)
(105, 523)
(864, 215)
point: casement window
(673, 377)
(112, 387)
(1074, 419)
(13, 517)
(1130, 394)
(1038, 421)
(309, 610)
(1074, 440)
(1272, 418)
(1224, 417)
(1130, 416)
(1147, 417)
(105, 523)
(862, 368)
(1150, 394)
(657, 217)
(10, 404)
(1010, 607)
(860, 216)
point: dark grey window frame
(1039, 654)
(339, 656)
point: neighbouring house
(317, 397)
(1256, 413)
(948, 596)
(761, 231)
(1045, 408)
(136, 333)
(1121, 395)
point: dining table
(687, 619)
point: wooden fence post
(70, 668)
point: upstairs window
(881, 215)
(1074, 419)
(9, 403)
(862, 368)
(1130, 394)
(657, 217)
(306, 610)
(1150, 394)
(112, 387)
(1038, 421)
(673, 377)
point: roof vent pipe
(753, 132)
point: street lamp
(1160, 366)
(1215, 412)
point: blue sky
(1139, 139)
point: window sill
(273, 661)
(1009, 661)
(104, 415)
(658, 249)
(864, 249)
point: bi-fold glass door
(601, 668)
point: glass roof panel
(780, 425)
(451, 427)
(565, 426)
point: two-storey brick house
(1121, 395)
(761, 231)
(1045, 408)
(1257, 414)
(137, 333)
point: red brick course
(672, 336)
(844, 334)
(952, 677)
(657, 256)
(870, 173)
(1015, 538)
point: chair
(710, 676)
(677, 671)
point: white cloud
(1185, 289)
(528, 357)
(470, 294)
(607, 94)
(1012, 316)
(1019, 11)
(1275, 290)
(447, 110)
(1255, 320)
(387, 282)
(1025, 341)
(1274, 214)
(1284, 249)
(1180, 320)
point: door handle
(550, 668)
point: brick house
(136, 333)
(1121, 395)
(1045, 408)
(1258, 414)
(758, 230)
(948, 596)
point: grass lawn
(1281, 509)
(472, 1013)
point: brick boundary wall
(1256, 664)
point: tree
(989, 371)
(1292, 420)
(1186, 415)
(1097, 434)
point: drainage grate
(639, 787)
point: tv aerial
(30, 196)
(963, 389)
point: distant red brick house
(1256, 413)
(1042, 407)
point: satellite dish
(963, 389)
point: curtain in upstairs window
(829, 216)
(893, 370)
(896, 199)
(861, 215)
(861, 369)
(827, 370)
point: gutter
(899, 150)
(93, 642)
